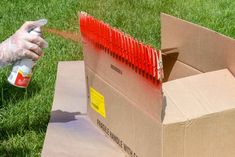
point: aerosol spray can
(22, 69)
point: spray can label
(21, 76)
(22, 80)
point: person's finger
(33, 47)
(37, 40)
(29, 25)
(30, 55)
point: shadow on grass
(12, 94)
(14, 152)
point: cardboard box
(191, 115)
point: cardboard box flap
(69, 88)
(199, 95)
(174, 69)
(199, 47)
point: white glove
(23, 44)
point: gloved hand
(23, 44)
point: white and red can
(22, 69)
(21, 73)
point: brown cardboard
(124, 119)
(70, 133)
(199, 47)
(195, 115)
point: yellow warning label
(97, 102)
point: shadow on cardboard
(60, 116)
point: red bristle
(123, 46)
(117, 44)
(142, 56)
(128, 49)
(120, 44)
(137, 54)
(133, 51)
(99, 27)
(151, 60)
(100, 38)
(95, 32)
(146, 58)
(110, 38)
(91, 28)
(105, 36)
(86, 27)
(100, 33)
(113, 40)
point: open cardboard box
(192, 114)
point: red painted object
(144, 58)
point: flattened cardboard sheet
(70, 132)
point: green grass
(24, 114)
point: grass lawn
(24, 114)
